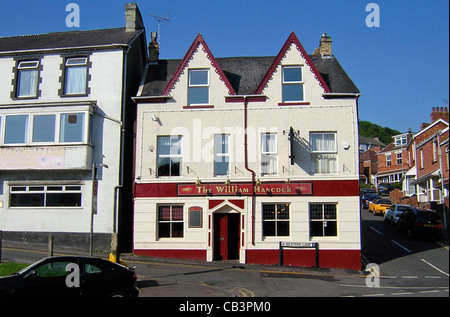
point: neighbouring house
(428, 161)
(239, 157)
(66, 134)
(392, 160)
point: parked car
(420, 222)
(384, 188)
(394, 212)
(368, 198)
(379, 206)
(71, 276)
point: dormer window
(198, 93)
(293, 84)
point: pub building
(238, 156)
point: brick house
(391, 160)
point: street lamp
(94, 203)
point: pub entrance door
(226, 236)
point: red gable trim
(188, 57)
(292, 40)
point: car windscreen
(384, 201)
(403, 208)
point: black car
(384, 189)
(71, 276)
(367, 198)
(420, 222)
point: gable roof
(292, 39)
(197, 42)
(65, 40)
(245, 75)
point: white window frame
(79, 61)
(190, 85)
(300, 83)
(268, 154)
(169, 156)
(219, 156)
(30, 127)
(33, 65)
(46, 190)
(316, 153)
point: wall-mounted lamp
(258, 182)
(227, 182)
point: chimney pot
(153, 49)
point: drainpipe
(249, 169)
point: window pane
(269, 143)
(177, 212)
(315, 211)
(16, 129)
(221, 144)
(63, 200)
(44, 128)
(163, 166)
(292, 74)
(164, 230)
(27, 83)
(75, 80)
(268, 212)
(282, 228)
(316, 228)
(175, 167)
(330, 228)
(269, 228)
(292, 92)
(198, 95)
(198, 77)
(72, 127)
(177, 229)
(27, 200)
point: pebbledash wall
(232, 175)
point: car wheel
(118, 294)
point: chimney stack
(439, 113)
(324, 48)
(133, 18)
(153, 49)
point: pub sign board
(245, 189)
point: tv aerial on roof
(160, 19)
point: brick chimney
(439, 113)
(153, 49)
(324, 48)
(133, 18)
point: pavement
(168, 286)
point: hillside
(372, 130)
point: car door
(48, 279)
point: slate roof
(65, 40)
(246, 73)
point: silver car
(392, 214)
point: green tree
(372, 130)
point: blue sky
(401, 67)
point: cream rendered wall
(198, 127)
(106, 91)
